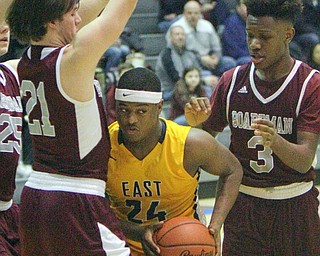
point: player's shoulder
(9, 69)
(13, 64)
(233, 74)
(310, 74)
(174, 130)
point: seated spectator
(202, 38)
(308, 26)
(169, 12)
(174, 59)
(115, 55)
(190, 85)
(215, 11)
(314, 57)
(234, 37)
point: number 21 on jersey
(37, 97)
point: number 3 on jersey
(37, 96)
(265, 155)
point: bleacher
(144, 21)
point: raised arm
(202, 150)
(92, 41)
(90, 9)
(82, 56)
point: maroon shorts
(260, 227)
(55, 223)
(9, 237)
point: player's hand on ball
(150, 248)
(217, 237)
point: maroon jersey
(10, 130)
(291, 103)
(69, 137)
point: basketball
(184, 236)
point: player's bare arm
(197, 110)
(87, 47)
(202, 150)
(90, 9)
(298, 156)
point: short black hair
(140, 79)
(286, 10)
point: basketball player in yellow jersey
(154, 165)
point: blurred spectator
(202, 38)
(173, 60)
(132, 39)
(215, 11)
(115, 55)
(234, 38)
(190, 85)
(314, 56)
(308, 26)
(110, 104)
(169, 12)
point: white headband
(138, 96)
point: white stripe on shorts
(112, 244)
(56, 182)
(278, 193)
(5, 205)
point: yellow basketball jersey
(153, 189)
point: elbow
(305, 168)
(237, 174)
(306, 165)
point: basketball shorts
(264, 227)
(9, 226)
(58, 223)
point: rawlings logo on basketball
(202, 253)
(184, 236)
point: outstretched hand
(197, 110)
(149, 246)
